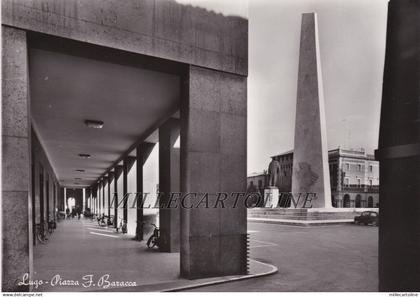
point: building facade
(257, 182)
(354, 177)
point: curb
(227, 279)
(184, 284)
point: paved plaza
(319, 258)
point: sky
(352, 47)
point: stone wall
(159, 28)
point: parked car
(367, 217)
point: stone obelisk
(310, 157)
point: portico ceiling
(66, 90)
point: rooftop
(355, 153)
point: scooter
(154, 239)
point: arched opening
(346, 201)
(358, 201)
(370, 202)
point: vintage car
(367, 217)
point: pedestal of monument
(271, 197)
(305, 216)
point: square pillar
(110, 178)
(95, 199)
(98, 198)
(115, 197)
(84, 200)
(104, 198)
(16, 159)
(169, 182)
(65, 199)
(213, 160)
(102, 189)
(126, 165)
(142, 153)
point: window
(359, 167)
(346, 181)
(347, 166)
(370, 182)
(358, 182)
(370, 168)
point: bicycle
(93, 217)
(61, 216)
(154, 239)
(42, 232)
(101, 221)
(110, 220)
(122, 226)
(51, 226)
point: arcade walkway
(80, 247)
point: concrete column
(65, 199)
(61, 205)
(169, 182)
(142, 153)
(399, 152)
(95, 199)
(16, 161)
(125, 186)
(110, 178)
(84, 200)
(55, 195)
(47, 197)
(89, 198)
(104, 198)
(98, 198)
(118, 171)
(101, 194)
(213, 159)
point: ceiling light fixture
(80, 170)
(94, 124)
(84, 156)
